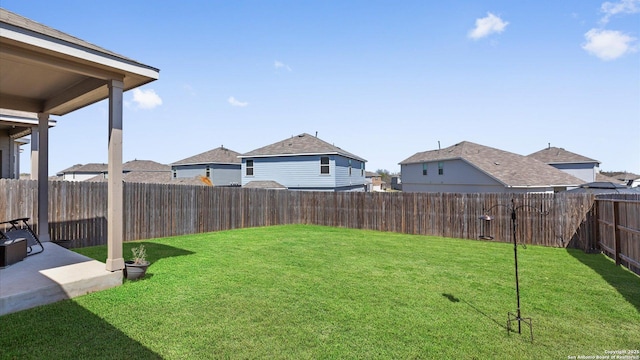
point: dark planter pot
(135, 271)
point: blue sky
(380, 79)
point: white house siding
(585, 171)
(80, 176)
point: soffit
(44, 70)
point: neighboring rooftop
(303, 144)
(604, 178)
(86, 168)
(267, 184)
(604, 188)
(144, 166)
(505, 167)
(220, 155)
(555, 155)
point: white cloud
(608, 44)
(623, 7)
(146, 99)
(280, 65)
(487, 25)
(234, 102)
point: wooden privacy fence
(78, 211)
(619, 231)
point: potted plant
(137, 266)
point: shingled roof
(219, 155)
(266, 184)
(555, 155)
(303, 144)
(510, 169)
(86, 168)
(145, 166)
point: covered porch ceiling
(44, 70)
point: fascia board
(42, 41)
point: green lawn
(308, 292)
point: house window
(249, 167)
(349, 167)
(324, 165)
(362, 169)
(440, 168)
(424, 168)
(208, 172)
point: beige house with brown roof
(467, 167)
(574, 164)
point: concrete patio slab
(51, 276)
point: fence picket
(78, 211)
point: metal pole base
(511, 317)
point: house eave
(430, 160)
(55, 45)
(303, 154)
(206, 163)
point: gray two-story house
(220, 165)
(467, 167)
(303, 162)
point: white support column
(43, 177)
(115, 261)
(34, 153)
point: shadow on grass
(66, 330)
(155, 251)
(624, 281)
(454, 299)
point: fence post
(594, 243)
(616, 231)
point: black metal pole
(515, 259)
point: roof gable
(89, 168)
(554, 155)
(510, 169)
(303, 144)
(220, 155)
(144, 165)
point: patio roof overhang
(48, 72)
